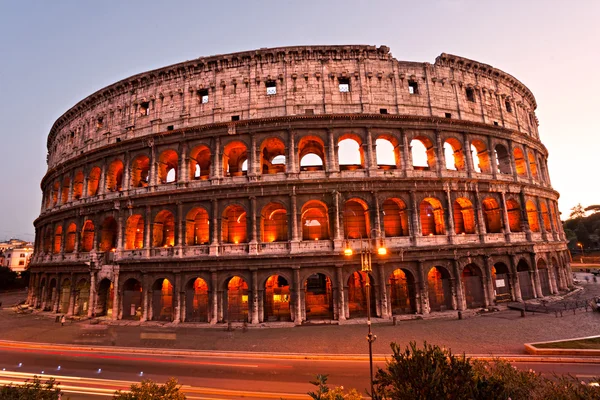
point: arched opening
(402, 292)
(439, 289)
(162, 300)
(108, 235)
(65, 190)
(545, 216)
(71, 238)
(132, 299)
(134, 232)
(356, 219)
(472, 282)
(387, 153)
(274, 225)
(237, 300)
(525, 282)
(395, 218)
(502, 159)
(234, 156)
(65, 297)
(105, 295)
(453, 152)
(168, 162)
(350, 154)
(48, 239)
(481, 158)
(277, 299)
(514, 215)
(163, 230)
(78, 185)
(492, 215)
(432, 217)
(197, 227)
(200, 163)
(555, 219)
(501, 280)
(532, 165)
(114, 176)
(140, 171)
(520, 163)
(315, 221)
(87, 236)
(57, 239)
(272, 156)
(311, 153)
(197, 301)
(51, 295)
(93, 181)
(82, 298)
(544, 275)
(55, 189)
(532, 216)
(233, 225)
(357, 295)
(464, 216)
(543, 170)
(318, 297)
(423, 154)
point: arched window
(545, 216)
(520, 164)
(48, 238)
(167, 166)
(311, 154)
(71, 238)
(315, 221)
(395, 218)
(532, 216)
(274, 225)
(65, 190)
(163, 230)
(432, 217)
(108, 235)
(233, 225)
(356, 219)
(234, 156)
(493, 215)
(196, 227)
(78, 185)
(272, 156)
(532, 165)
(140, 169)
(55, 189)
(423, 153)
(93, 181)
(455, 159)
(57, 239)
(200, 163)
(134, 233)
(502, 159)
(514, 215)
(481, 158)
(114, 176)
(87, 236)
(350, 154)
(387, 153)
(464, 216)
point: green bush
(32, 390)
(325, 393)
(149, 390)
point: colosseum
(234, 187)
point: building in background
(17, 258)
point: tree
(593, 208)
(577, 212)
(8, 277)
(583, 236)
(149, 390)
(34, 390)
(325, 393)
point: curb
(531, 348)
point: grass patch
(591, 344)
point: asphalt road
(206, 377)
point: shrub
(32, 390)
(325, 393)
(149, 390)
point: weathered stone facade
(213, 190)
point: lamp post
(581, 247)
(366, 266)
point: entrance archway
(65, 295)
(237, 300)
(162, 300)
(439, 289)
(104, 302)
(544, 274)
(196, 301)
(501, 280)
(357, 295)
(402, 292)
(473, 286)
(132, 299)
(318, 297)
(277, 299)
(525, 283)
(82, 298)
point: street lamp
(366, 266)
(581, 247)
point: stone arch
(235, 153)
(357, 294)
(108, 234)
(87, 236)
(55, 190)
(464, 216)
(163, 305)
(455, 157)
(532, 216)
(233, 225)
(134, 232)
(71, 238)
(274, 223)
(318, 296)
(58, 231)
(236, 299)
(311, 153)
(356, 219)
(48, 238)
(545, 277)
(513, 209)
(114, 176)
(272, 156)
(315, 221)
(402, 293)
(66, 183)
(501, 280)
(387, 152)
(473, 287)
(395, 217)
(140, 171)
(197, 300)
(481, 157)
(93, 181)
(502, 159)
(525, 282)
(197, 224)
(104, 298)
(132, 302)
(532, 165)
(350, 152)
(163, 229)
(439, 289)
(65, 296)
(78, 185)
(168, 163)
(492, 215)
(82, 297)
(277, 299)
(200, 162)
(423, 153)
(520, 163)
(431, 212)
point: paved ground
(502, 332)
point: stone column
(524, 217)
(489, 284)
(153, 163)
(333, 165)
(298, 304)
(216, 171)
(468, 155)
(377, 210)
(93, 295)
(116, 296)
(291, 159)
(148, 231)
(527, 165)
(371, 154)
(479, 213)
(422, 288)
(383, 291)
(541, 221)
(439, 153)
(214, 317)
(70, 194)
(184, 175)
(180, 230)
(505, 217)
(214, 244)
(493, 160)
(178, 303)
(253, 247)
(102, 183)
(515, 275)
(338, 230)
(84, 189)
(56, 294)
(536, 276)
(254, 297)
(127, 172)
(341, 300)
(460, 294)
(145, 300)
(450, 214)
(416, 221)
(120, 228)
(406, 153)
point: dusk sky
(55, 53)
